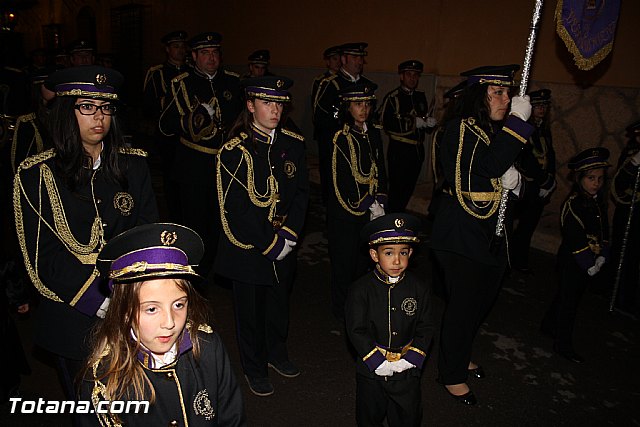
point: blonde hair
(113, 363)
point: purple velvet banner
(587, 28)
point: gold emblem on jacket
(289, 168)
(202, 405)
(123, 202)
(409, 306)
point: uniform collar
(177, 67)
(202, 74)
(406, 91)
(385, 278)
(262, 136)
(349, 76)
(153, 361)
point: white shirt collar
(160, 360)
(98, 161)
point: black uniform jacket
(156, 84)
(61, 233)
(585, 230)
(201, 129)
(26, 139)
(624, 180)
(327, 103)
(398, 114)
(189, 392)
(473, 162)
(537, 162)
(263, 191)
(389, 321)
(358, 170)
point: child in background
(389, 323)
(154, 343)
(584, 248)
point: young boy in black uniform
(389, 323)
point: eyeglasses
(91, 109)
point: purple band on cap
(84, 87)
(391, 234)
(157, 255)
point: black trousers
(471, 289)
(262, 324)
(405, 162)
(400, 401)
(528, 210)
(325, 148)
(200, 211)
(561, 316)
(347, 256)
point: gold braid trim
(614, 193)
(359, 176)
(292, 134)
(482, 136)
(33, 274)
(38, 158)
(99, 394)
(567, 209)
(133, 151)
(60, 219)
(581, 62)
(84, 287)
(371, 353)
(271, 196)
(27, 118)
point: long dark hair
(73, 164)
(474, 103)
(345, 117)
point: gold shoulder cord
(497, 187)
(629, 193)
(567, 209)
(359, 177)
(99, 394)
(84, 253)
(269, 199)
(27, 118)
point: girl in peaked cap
(358, 190)
(69, 201)
(155, 343)
(584, 249)
(263, 192)
(478, 148)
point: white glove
(511, 180)
(385, 369)
(600, 262)
(431, 122)
(401, 365)
(635, 159)
(420, 123)
(102, 311)
(377, 210)
(288, 247)
(209, 109)
(592, 271)
(521, 107)
(544, 193)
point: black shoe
(468, 398)
(569, 355)
(260, 386)
(286, 368)
(477, 372)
